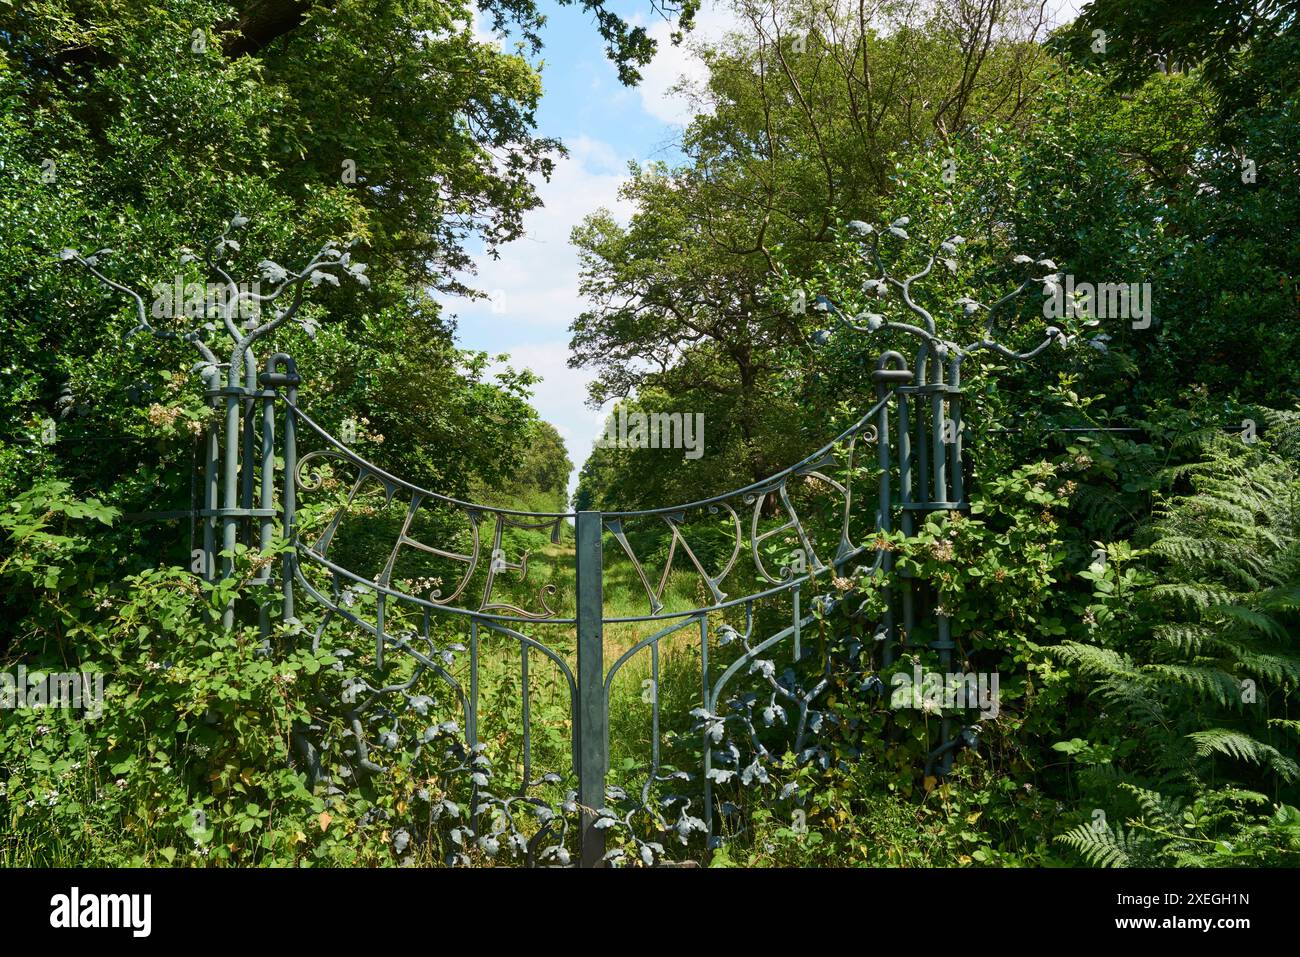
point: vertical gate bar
(943, 641)
(471, 719)
(528, 742)
(654, 710)
(290, 500)
(708, 707)
(211, 501)
(250, 443)
(230, 478)
(798, 637)
(923, 452)
(905, 465)
(592, 717)
(939, 456)
(954, 410)
(884, 463)
(922, 446)
(267, 503)
(885, 504)
(958, 495)
(212, 486)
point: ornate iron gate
(919, 467)
(590, 682)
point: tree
(1245, 50)
(540, 480)
(146, 128)
(797, 122)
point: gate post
(288, 381)
(592, 740)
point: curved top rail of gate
(771, 493)
(398, 483)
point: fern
(1091, 660)
(1157, 809)
(1216, 601)
(1242, 747)
(1254, 620)
(1104, 511)
(1208, 682)
(1102, 846)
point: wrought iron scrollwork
(811, 471)
(414, 498)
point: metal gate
(916, 467)
(323, 494)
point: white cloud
(479, 28)
(671, 63)
(561, 398)
(535, 288)
(535, 281)
(1061, 12)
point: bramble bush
(196, 756)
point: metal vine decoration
(944, 253)
(367, 485)
(380, 716)
(738, 727)
(233, 299)
(234, 471)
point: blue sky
(604, 124)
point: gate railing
(590, 681)
(919, 468)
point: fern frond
(1184, 637)
(1255, 620)
(1103, 511)
(1210, 682)
(1134, 698)
(1243, 747)
(1279, 669)
(1100, 846)
(1157, 809)
(1193, 596)
(1091, 660)
(1286, 598)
